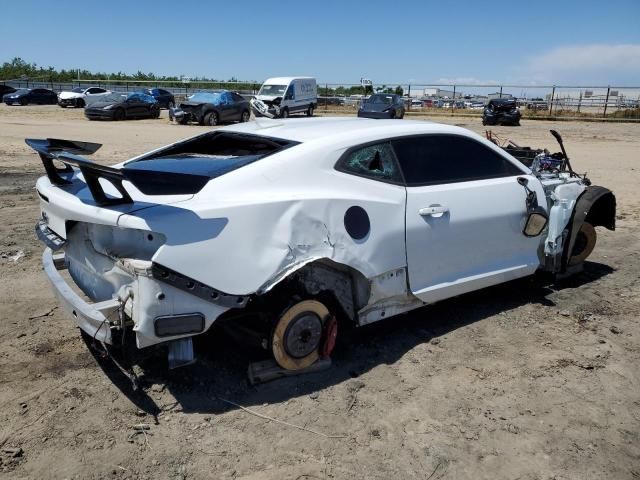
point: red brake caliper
(330, 335)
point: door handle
(433, 210)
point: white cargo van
(286, 95)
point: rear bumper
(94, 318)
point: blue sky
(564, 42)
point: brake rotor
(298, 335)
(584, 244)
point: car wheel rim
(297, 338)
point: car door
(135, 106)
(464, 216)
(226, 107)
(38, 95)
(164, 98)
(239, 105)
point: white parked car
(81, 97)
(290, 225)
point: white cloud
(586, 63)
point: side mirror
(536, 222)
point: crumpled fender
(598, 206)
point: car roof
(309, 129)
(284, 80)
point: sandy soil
(525, 380)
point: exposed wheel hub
(303, 335)
(298, 334)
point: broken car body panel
(275, 207)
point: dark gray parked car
(382, 105)
(212, 108)
(122, 106)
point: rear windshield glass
(212, 154)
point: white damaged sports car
(299, 223)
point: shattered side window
(373, 161)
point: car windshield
(78, 90)
(22, 91)
(206, 97)
(272, 90)
(386, 99)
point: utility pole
(606, 102)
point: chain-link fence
(603, 102)
(469, 100)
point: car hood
(104, 104)
(268, 98)
(194, 104)
(68, 95)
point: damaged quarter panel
(250, 228)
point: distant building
(436, 93)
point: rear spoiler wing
(148, 182)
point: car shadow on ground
(221, 369)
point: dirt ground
(526, 380)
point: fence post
(409, 95)
(606, 102)
(500, 91)
(453, 103)
(326, 91)
(579, 101)
(553, 92)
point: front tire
(299, 335)
(80, 103)
(310, 111)
(285, 113)
(211, 119)
(24, 101)
(245, 117)
(584, 244)
(119, 115)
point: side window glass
(289, 93)
(440, 159)
(373, 161)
